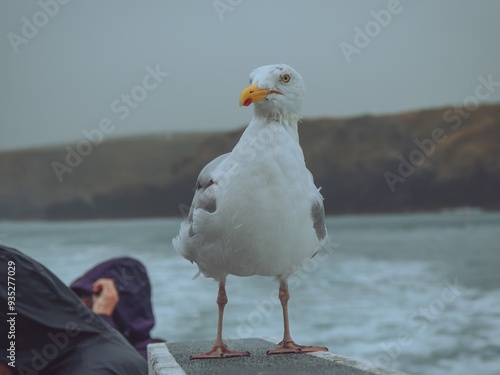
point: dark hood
(47, 311)
(133, 314)
(38, 290)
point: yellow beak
(252, 94)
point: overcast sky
(65, 68)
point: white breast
(262, 224)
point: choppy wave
(420, 293)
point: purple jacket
(133, 316)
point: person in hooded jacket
(50, 330)
(119, 291)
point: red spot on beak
(247, 102)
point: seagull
(256, 210)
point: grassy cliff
(425, 160)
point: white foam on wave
(359, 301)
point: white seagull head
(277, 91)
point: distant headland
(417, 161)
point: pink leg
(287, 345)
(220, 350)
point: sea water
(415, 292)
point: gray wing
(318, 214)
(205, 175)
(318, 218)
(204, 197)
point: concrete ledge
(173, 359)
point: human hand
(105, 297)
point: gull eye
(285, 78)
